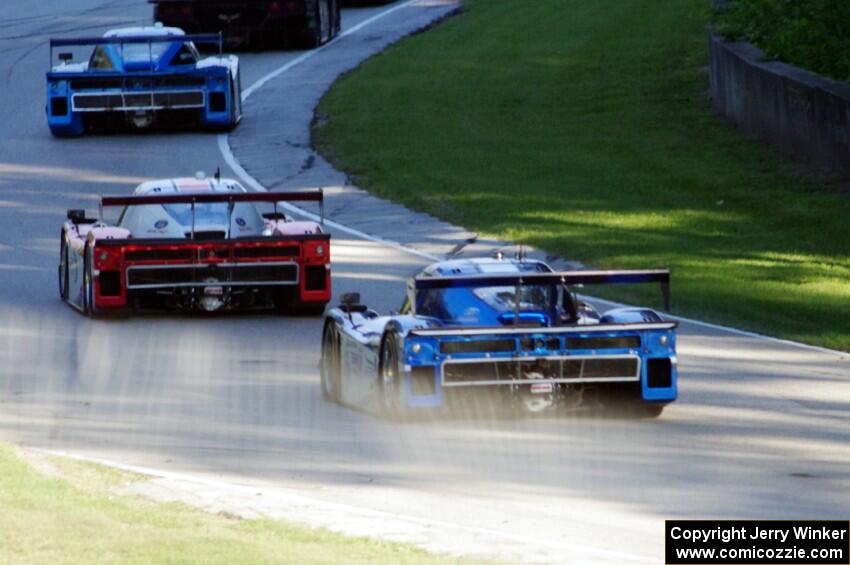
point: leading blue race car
(139, 77)
(504, 331)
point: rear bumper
(138, 100)
(126, 269)
(159, 277)
(426, 386)
(203, 95)
(637, 360)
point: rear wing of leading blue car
(209, 38)
(563, 279)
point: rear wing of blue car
(563, 278)
(209, 38)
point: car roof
(484, 266)
(144, 31)
(188, 185)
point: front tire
(331, 365)
(390, 378)
(648, 411)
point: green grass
(584, 129)
(72, 516)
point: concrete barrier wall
(804, 114)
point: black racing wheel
(64, 276)
(88, 282)
(390, 378)
(331, 363)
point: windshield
(484, 305)
(205, 214)
(137, 53)
(503, 298)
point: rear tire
(287, 302)
(64, 275)
(336, 16)
(390, 378)
(233, 115)
(648, 411)
(331, 365)
(309, 309)
(313, 36)
(637, 410)
(88, 284)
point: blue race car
(508, 331)
(139, 77)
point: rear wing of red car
(563, 278)
(211, 197)
(316, 195)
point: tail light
(275, 9)
(186, 11)
(106, 257)
(317, 250)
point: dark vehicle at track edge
(255, 23)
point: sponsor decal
(542, 388)
(161, 224)
(214, 291)
(241, 222)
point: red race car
(195, 244)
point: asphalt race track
(761, 429)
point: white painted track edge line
(231, 161)
(160, 473)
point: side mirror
(66, 57)
(350, 303)
(77, 216)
